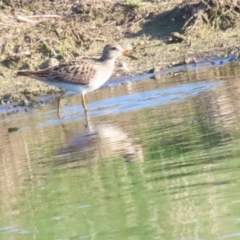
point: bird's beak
(126, 54)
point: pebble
(12, 129)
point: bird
(80, 76)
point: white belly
(70, 87)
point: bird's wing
(75, 72)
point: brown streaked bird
(81, 76)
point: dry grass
(218, 14)
(60, 30)
(44, 29)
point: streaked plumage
(81, 76)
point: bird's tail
(39, 75)
(25, 73)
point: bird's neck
(106, 58)
(108, 61)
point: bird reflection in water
(96, 142)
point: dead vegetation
(218, 14)
(64, 29)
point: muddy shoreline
(147, 27)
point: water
(159, 159)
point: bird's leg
(84, 103)
(87, 120)
(58, 104)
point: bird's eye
(114, 48)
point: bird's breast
(101, 77)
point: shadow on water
(154, 159)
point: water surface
(154, 159)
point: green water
(164, 163)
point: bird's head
(113, 51)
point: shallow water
(154, 159)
